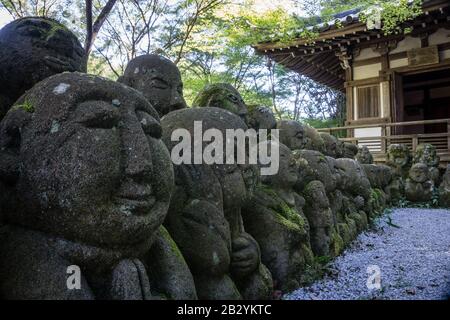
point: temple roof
(319, 59)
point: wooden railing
(379, 144)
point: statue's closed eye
(97, 114)
(159, 83)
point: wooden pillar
(349, 98)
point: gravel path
(413, 260)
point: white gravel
(413, 260)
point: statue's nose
(138, 164)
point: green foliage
(26, 106)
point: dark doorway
(426, 96)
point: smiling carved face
(158, 79)
(32, 49)
(93, 167)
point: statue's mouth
(135, 199)
(58, 65)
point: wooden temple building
(397, 87)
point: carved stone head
(364, 156)
(313, 165)
(426, 153)
(331, 145)
(292, 134)
(158, 79)
(398, 156)
(261, 118)
(353, 177)
(32, 49)
(419, 173)
(350, 150)
(287, 174)
(83, 160)
(313, 140)
(223, 96)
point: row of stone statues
(86, 180)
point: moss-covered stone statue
(426, 153)
(356, 191)
(364, 156)
(223, 96)
(205, 215)
(444, 189)
(332, 145)
(399, 159)
(313, 140)
(380, 176)
(89, 187)
(313, 165)
(349, 150)
(318, 211)
(32, 49)
(292, 134)
(274, 217)
(418, 186)
(260, 117)
(158, 79)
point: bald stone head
(223, 96)
(158, 79)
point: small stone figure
(426, 153)
(419, 187)
(89, 186)
(444, 189)
(205, 215)
(274, 217)
(364, 156)
(32, 49)
(223, 96)
(350, 150)
(292, 134)
(158, 79)
(313, 140)
(399, 159)
(315, 166)
(261, 118)
(332, 146)
(318, 211)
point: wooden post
(383, 141)
(415, 142)
(448, 137)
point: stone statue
(380, 176)
(205, 215)
(261, 118)
(419, 187)
(349, 150)
(32, 49)
(274, 217)
(399, 159)
(426, 153)
(318, 212)
(444, 189)
(223, 96)
(364, 156)
(356, 191)
(313, 165)
(89, 187)
(332, 147)
(292, 134)
(158, 79)
(313, 140)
